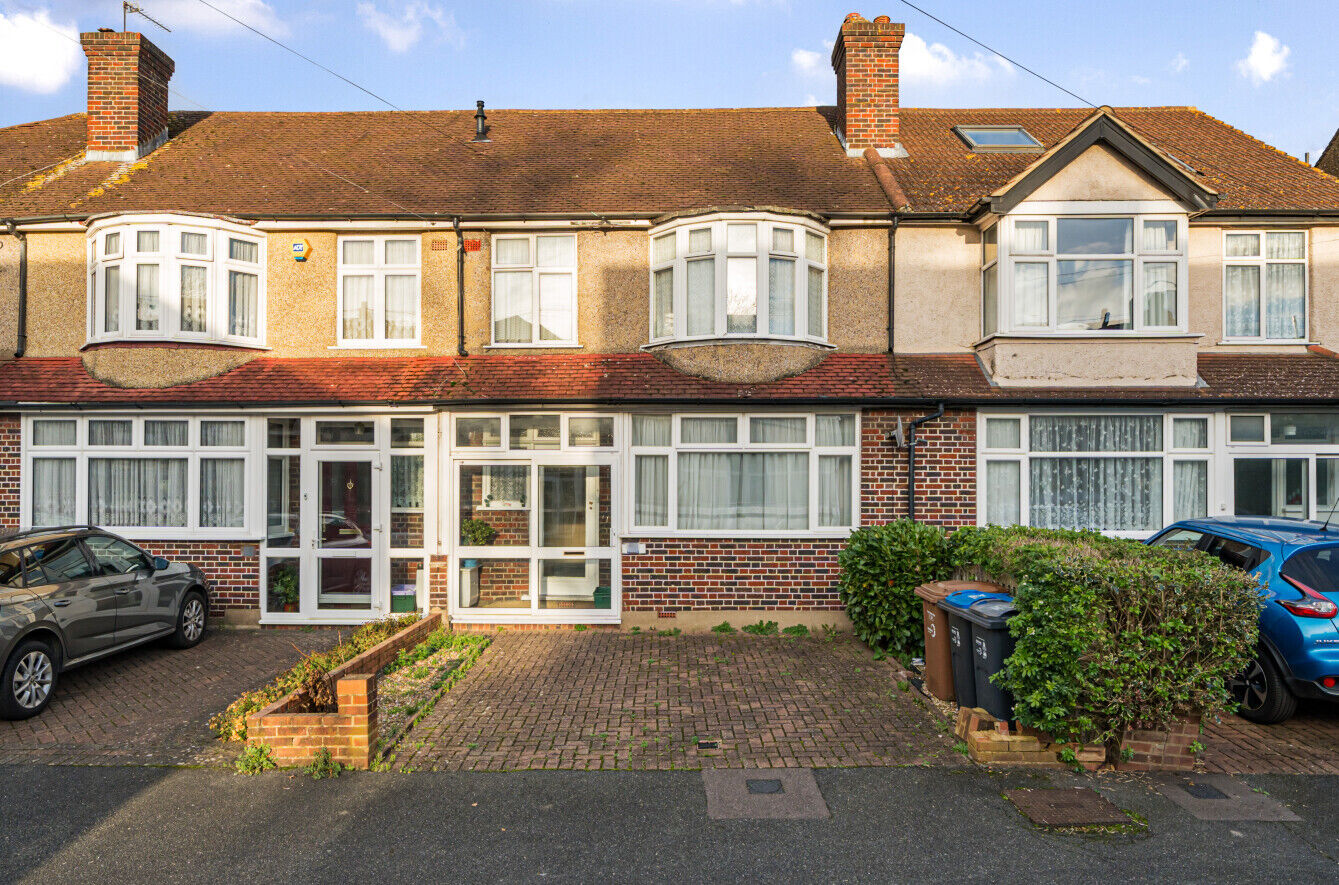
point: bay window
(535, 290)
(1083, 274)
(1264, 285)
(175, 278)
(751, 275)
(378, 291)
(744, 474)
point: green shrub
(1111, 633)
(723, 627)
(762, 628)
(796, 631)
(255, 759)
(881, 566)
(323, 765)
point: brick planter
(1160, 750)
(350, 733)
(993, 742)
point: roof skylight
(997, 138)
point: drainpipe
(21, 346)
(911, 458)
(892, 286)
(460, 286)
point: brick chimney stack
(127, 95)
(865, 59)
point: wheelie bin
(961, 640)
(938, 651)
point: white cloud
(34, 56)
(1138, 80)
(1180, 63)
(807, 62)
(191, 15)
(1267, 59)
(401, 29)
(934, 64)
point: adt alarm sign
(301, 250)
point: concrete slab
(763, 794)
(1220, 797)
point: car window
(114, 556)
(1179, 539)
(11, 568)
(1237, 554)
(1317, 567)
(62, 560)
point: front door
(346, 537)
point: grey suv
(72, 595)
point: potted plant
(284, 587)
(475, 533)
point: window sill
(172, 344)
(377, 345)
(674, 343)
(509, 345)
(1265, 342)
(1089, 335)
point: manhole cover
(763, 786)
(1077, 807)
(1204, 791)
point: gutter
(460, 287)
(21, 342)
(911, 458)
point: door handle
(61, 603)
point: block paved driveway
(1308, 743)
(617, 700)
(151, 705)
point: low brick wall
(1167, 750)
(350, 734)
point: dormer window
(175, 278)
(749, 275)
(997, 138)
(1084, 274)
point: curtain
(1285, 308)
(777, 430)
(1160, 294)
(146, 241)
(222, 492)
(400, 252)
(781, 296)
(663, 311)
(357, 309)
(699, 240)
(1159, 236)
(512, 251)
(146, 295)
(194, 244)
(556, 318)
(1030, 236)
(243, 250)
(1031, 281)
(817, 314)
(651, 430)
(1190, 433)
(708, 430)
(54, 433)
(555, 251)
(834, 430)
(359, 252)
(702, 297)
(663, 249)
(814, 247)
(1096, 433)
(1243, 245)
(222, 433)
(1003, 433)
(137, 491)
(652, 490)
(783, 239)
(194, 296)
(401, 306)
(165, 433)
(407, 482)
(243, 303)
(1190, 489)
(741, 299)
(53, 491)
(1242, 294)
(990, 300)
(741, 237)
(109, 433)
(743, 490)
(834, 490)
(512, 303)
(1108, 494)
(1286, 244)
(111, 299)
(1002, 492)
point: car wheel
(29, 680)
(1261, 694)
(192, 620)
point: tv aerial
(129, 9)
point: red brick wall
(127, 90)
(233, 567)
(865, 58)
(9, 472)
(945, 468)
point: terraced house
(645, 366)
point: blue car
(1297, 564)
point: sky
(1268, 67)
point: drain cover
(706, 745)
(1202, 790)
(763, 786)
(1078, 807)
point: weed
(1126, 753)
(634, 629)
(830, 632)
(255, 759)
(798, 631)
(723, 627)
(903, 685)
(323, 766)
(762, 628)
(961, 747)
(1195, 748)
(580, 627)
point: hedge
(881, 566)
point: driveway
(616, 700)
(151, 705)
(1305, 744)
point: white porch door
(347, 536)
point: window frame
(1007, 257)
(765, 223)
(1262, 262)
(966, 133)
(572, 271)
(379, 270)
(170, 260)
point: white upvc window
(379, 283)
(744, 475)
(534, 290)
(175, 278)
(1265, 285)
(747, 275)
(1084, 274)
(159, 476)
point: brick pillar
(127, 95)
(358, 704)
(9, 471)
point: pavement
(899, 824)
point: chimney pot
(127, 95)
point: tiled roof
(593, 161)
(641, 378)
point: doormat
(1077, 807)
(763, 794)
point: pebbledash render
(645, 366)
